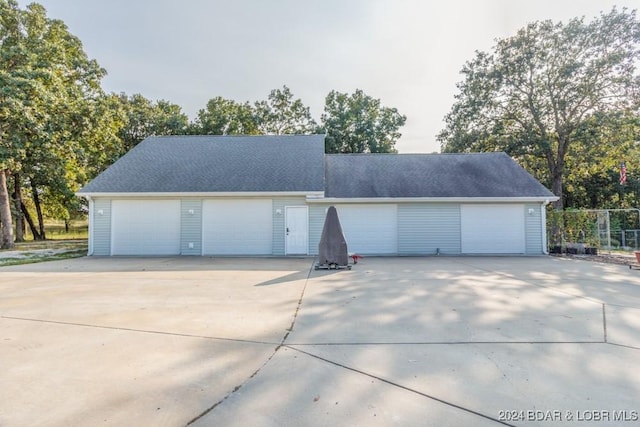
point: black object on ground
(332, 250)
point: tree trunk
(556, 171)
(6, 232)
(17, 199)
(36, 202)
(556, 188)
(32, 226)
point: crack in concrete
(604, 323)
(293, 346)
(144, 331)
(441, 343)
(633, 347)
(275, 351)
(409, 389)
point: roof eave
(150, 194)
(522, 199)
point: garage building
(268, 195)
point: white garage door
(370, 229)
(492, 229)
(145, 227)
(237, 227)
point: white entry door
(296, 230)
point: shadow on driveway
(394, 341)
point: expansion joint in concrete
(395, 384)
(604, 322)
(275, 351)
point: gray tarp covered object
(333, 246)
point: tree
(169, 119)
(48, 86)
(100, 127)
(282, 114)
(226, 117)
(145, 118)
(535, 91)
(15, 86)
(358, 123)
(593, 165)
(6, 239)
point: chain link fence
(588, 231)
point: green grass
(34, 258)
(55, 230)
(70, 249)
(50, 244)
(70, 243)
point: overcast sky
(408, 53)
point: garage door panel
(370, 229)
(237, 227)
(492, 229)
(145, 227)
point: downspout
(543, 213)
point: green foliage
(573, 226)
(358, 123)
(593, 165)
(226, 117)
(354, 123)
(54, 118)
(58, 129)
(101, 126)
(145, 118)
(281, 114)
(594, 228)
(537, 93)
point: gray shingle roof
(429, 175)
(296, 163)
(283, 163)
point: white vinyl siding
(427, 229)
(237, 227)
(101, 231)
(534, 229)
(492, 229)
(191, 227)
(145, 227)
(317, 214)
(234, 226)
(370, 229)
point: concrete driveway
(271, 342)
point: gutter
(151, 194)
(338, 200)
